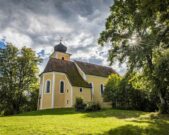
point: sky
(40, 24)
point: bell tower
(60, 52)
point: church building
(64, 80)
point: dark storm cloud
(40, 24)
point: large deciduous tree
(138, 31)
(18, 79)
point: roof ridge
(79, 73)
(94, 69)
(93, 64)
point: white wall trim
(92, 91)
(42, 87)
(39, 97)
(71, 96)
(53, 90)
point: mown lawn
(69, 122)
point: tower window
(102, 89)
(61, 87)
(47, 86)
(81, 89)
(63, 58)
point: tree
(138, 31)
(18, 78)
(162, 71)
(112, 87)
(127, 93)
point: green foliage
(112, 87)
(92, 107)
(79, 105)
(162, 71)
(123, 95)
(139, 34)
(89, 107)
(18, 79)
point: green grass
(67, 122)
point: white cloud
(16, 38)
(47, 24)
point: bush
(79, 105)
(125, 95)
(92, 107)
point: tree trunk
(163, 108)
(163, 104)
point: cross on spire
(61, 39)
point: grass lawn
(67, 122)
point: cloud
(39, 24)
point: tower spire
(61, 39)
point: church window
(102, 89)
(47, 86)
(81, 89)
(61, 87)
(92, 88)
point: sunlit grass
(67, 121)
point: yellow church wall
(47, 97)
(68, 98)
(96, 96)
(60, 55)
(62, 100)
(85, 94)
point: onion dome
(60, 48)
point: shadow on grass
(125, 130)
(155, 128)
(120, 114)
(157, 125)
(60, 111)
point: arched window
(81, 89)
(61, 87)
(92, 88)
(47, 86)
(63, 58)
(101, 89)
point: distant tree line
(18, 82)
(138, 31)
